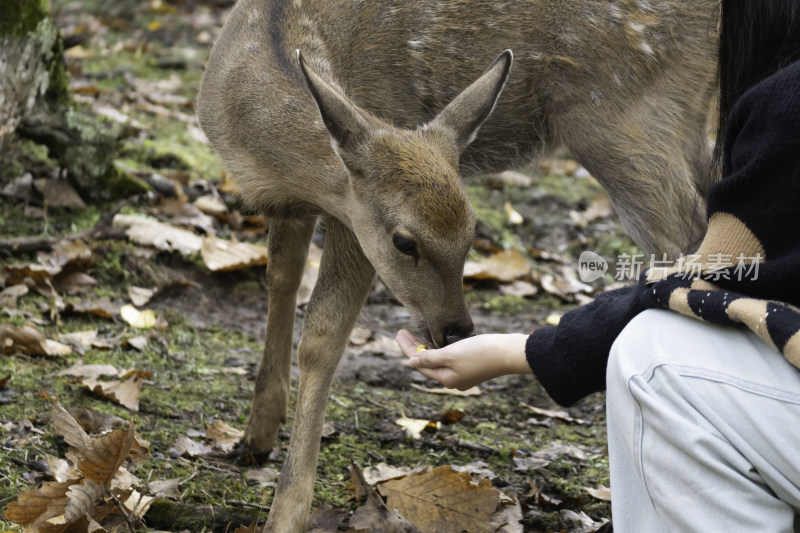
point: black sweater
(749, 259)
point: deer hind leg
(653, 161)
(345, 278)
(287, 244)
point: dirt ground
(202, 356)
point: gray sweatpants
(703, 429)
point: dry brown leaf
(61, 469)
(211, 204)
(144, 230)
(78, 369)
(506, 265)
(186, 447)
(37, 505)
(382, 472)
(164, 487)
(98, 458)
(28, 339)
(223, 435)
(73, 282)
(125, 393)
(326, 519)
(442, 500)
(265, 477)
(138, 342)
(252, 528)
(383, 345)
(560, 415)
(10, 295)
(601, 492)
(519, 287)
(75, 253)
(94, 422)
(102, 308)
(139, 295)
(220, 255)
(83, 340)
(472, 391)
(599, 208)
(375, 516)
(81, 500)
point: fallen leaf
(150, 232)
(186, 447)
(211, 204)
(560, 415)
(553, 319)
(33, 507)
(265, 477)
(61, 469)
(165, 487)
(78, 369)
(512, 216)
(102, 308)
(415, 426)
(28, 339)
(381, 472)
(326, 519)
(586, 524)
(140, 296)
(441, 500)
(93, 422)
(375, 516)
(599, 208)
(125, 393)
(601, 492)
(139, 319)
(10, 295)
(223, 435)
(506, 265)
(220, 255)
(139, 342)
(83, 340)
(472, 391)
(98, 458)
(360, 335)
(519, 287)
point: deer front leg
(287, 244)
(344, 281)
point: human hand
(470, 361)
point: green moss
(18, 18)
(505, 304)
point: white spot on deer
(636, 26)
(646, 48)
(415, 44)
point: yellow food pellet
(422, 347)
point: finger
(407, 342)
(430, 359)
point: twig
(122, 510)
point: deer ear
(465, 114)
(344, 121)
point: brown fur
(373, 132)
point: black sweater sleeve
(570, 359)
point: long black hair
(757, 38)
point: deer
(366, 116)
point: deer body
(388, 104)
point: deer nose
(456, 332)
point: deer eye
(405, 245)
